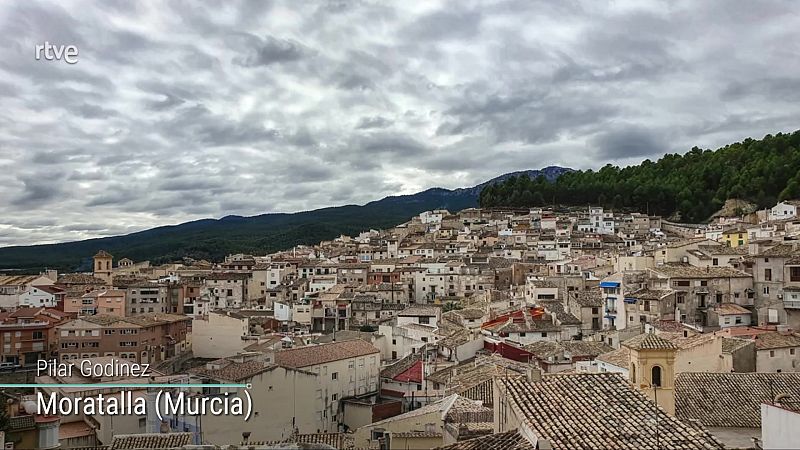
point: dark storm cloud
(629, 141)
(781, 89)
(38, 189)
(270, 50)
(182, 110)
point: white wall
(780, 428)
(218, 336)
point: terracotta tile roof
(722, 250)
(649, 294)
(649, 341)
(619, 357)
(541, 283)
(469, 313)
(730, 399)
(556, 308)
(78, 278)
(599, 411)
(724, 309)
(232, 370)
(577, 349)
(775, 339)
(589, 298)
(402, 365)
(151, 440)
(687, 271)
(415, 311)
(320, 354)
(16, 280)
(780, 251)
(310, 441)
(74, 429)
(730, 345)
(510, 440)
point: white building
(41, 296)
(783, 210)
(780, 425)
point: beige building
(343, 370)
(285, 400)
(110, 301)
(444, 422)
(219, 334)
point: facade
(28, 334)
(344, 370)
(145, 338)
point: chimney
(534, 375)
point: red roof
(412, 374)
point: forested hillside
(693, 185)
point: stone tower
(103, 263)
(652, 368)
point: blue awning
(609, 284)
(630, 300)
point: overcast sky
(176, 112)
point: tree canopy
(694, 185)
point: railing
(791, 304)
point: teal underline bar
(123, 385)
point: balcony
(791, 304)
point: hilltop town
(484, 328)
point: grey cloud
(446, 24)
(38, 189)
(373, 122)
(779, 89)
(195, 110)
(168, 102)
(629, 141)
(271, 50)
(90, 111)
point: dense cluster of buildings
(531, 328)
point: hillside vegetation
(692, 186)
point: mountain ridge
(210, 238)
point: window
(772, 353)
(38, 335)
(767, 274)
(715, 261)
(766, 290)
(544, 334)
(794, 273)
(791, 351)
(334, 375)
(425, 320)
(655, 376)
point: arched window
(633, 372)
(655, 376)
